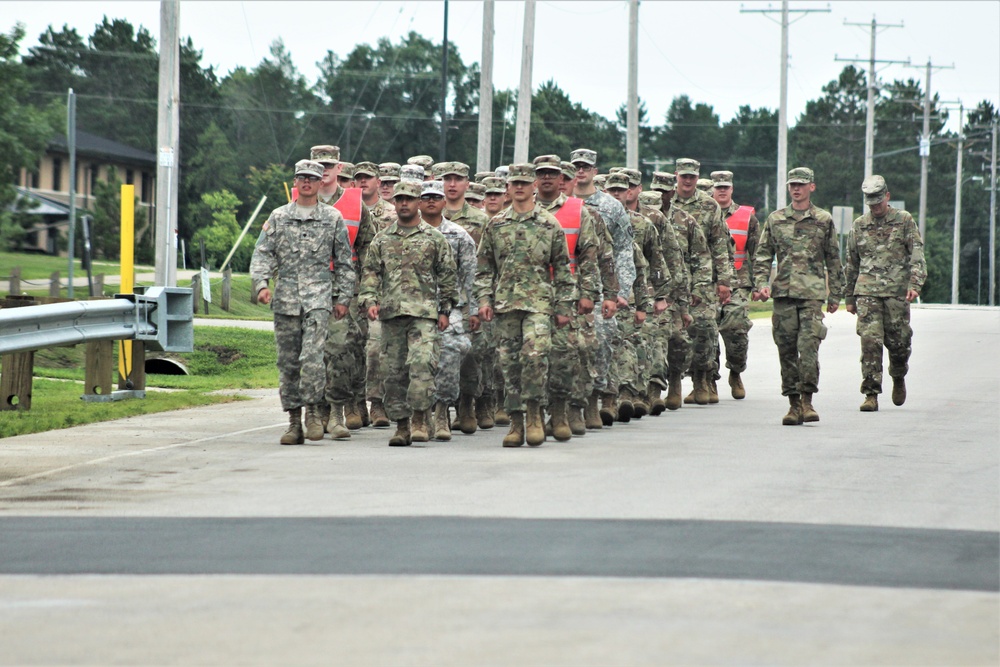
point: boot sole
(381, 424)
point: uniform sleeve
(659, 273)
(918, 265)
(700, 261)
(587, 270)
(753, 240)
(447, 277)
(719, 245)
(263, 263)
(467, 263)
(763, 258)
(344, 277)
(852, 265)
(562, 279)
(371, 280)
(673, 257)
(485, 269)
(640, 286)
(834, 272)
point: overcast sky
(708, 50)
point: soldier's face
(723, 195)
(800, 192)
(548, 181)
(476, 203)
(687, 184)
(618, 193)
(406, 208)
(386, 189)
(330, 174)
(431, 205)
(493, 202)
(368, 184)
(345, 182)
(455, 187)
(584, 173)
(307, 185)
(521, 191)
(632, 194)
(568, 184)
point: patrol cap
(493, 185)
(634, 176)
(650, 198)
(388, 172)
(407, 189)
(875, 189)
(432, 189)
(411, 172)
(568, 170)
(663, 181)
(480, 175)
(615, 170)
(722, 179)
(442, 169)
(599, 181)
(347, 170)
(523, 172)
(686, 166)
(547, 162)
(583, 155)
(476, 192)
(502, 171)
(800, 175)
(366, 169)
(327, 155)
(704, 184)
(309, 168)
(425, 161)
(616, 181)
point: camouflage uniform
(298, 250)
(384, 215)
(734, 318)
(808, 258)
(885, 258)
(455, 343)
(409, 272)
(524, 276)
(589, 342)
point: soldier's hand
(622, 302)
(584, 307)
(724, 293)
(912, 295)
(695, 300)
(686, 320)
(763, 294)
(608, 309)
(851, 308)
(561, 321)
(474, 322)
(443, 322)
(659, 306)
(832, 307)
(264, 296)
(339, 311)
(640, 317)
(373, 313)
(486, 312)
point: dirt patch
(223, 354)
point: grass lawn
(223, 358)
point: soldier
(388, 176)
(412, 173)
(802, 238)
(613, 215)
(525, 280)
(885, 272)
(455, 343)
(704, 330)
(495, 191)
(425, 162)
(409, 284)
(298, 241)
(698, 261)
(367, 178)
(734, 319)
(705, 185)
(475, 195)
(345, 342)
(345, 178)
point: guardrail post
(98, 285)
(54, 284)
(136, 367)
(15, 281)
(196, 291)
(98, 367)
(15, 381)
(227, 288)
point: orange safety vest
(739, 224)
(569, 216)
(349, 206)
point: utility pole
(485, 143)
(71, 147)
(870, 111)
(522, 132)
(632, 114)
(925, 147)
(168, 140)
(993, 218)
(443, 148)
(781, 191)
(957, 236)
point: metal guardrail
(161, 316)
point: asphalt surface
(712, 535)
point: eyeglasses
(311, 179)
(583, 167)
(548, 173)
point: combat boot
(673, 400)
(548, 426)
(577, 425)
(640, 406)
(366, 419)
(689, 399)
(701, 391)
(736, 384)
(626, 409)
(324, 414)
(609, 410)
(467, 415)
(534, 432)
(515, 436)
(501, 418)
(656, 402)
(314, 425)
(294, 435)
(352, 416)
(336, 427)
(713, 390)
(379, 419)
(794, 415)
(898, 391)
(401, 438)
(809, 413)
(560, 422)
(484, 412)
(592, 414)
(442, 429)
(419, 427)
(870, 404)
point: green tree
(751, 141)
(560, 125)
(221, 231)
(105, 230)
(690, 130)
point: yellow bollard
(128, 269)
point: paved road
(190, 537)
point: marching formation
(556, 300)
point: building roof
(45, 206)
(91, 145)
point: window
(129, 177)
(146, 194)
(92, 175)
(57, 174)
